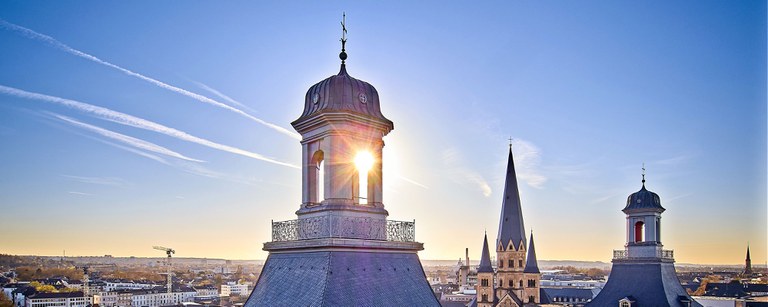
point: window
(521, 283)
(511, 263)
(531, 299)
(501, 283)
(484, 282)
(624, 304)
(511, 284)
(485, 297)
(639, 231)
(520, 263)
(501, 263)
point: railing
(624, 254)
(343, 227)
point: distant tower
(342, 251)
(643, 274)
(484, 287)
(748, 264)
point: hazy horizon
(130, 124)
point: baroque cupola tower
(341, 250)
(643, 273)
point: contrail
(138, 143)
(29, 33)
(129, 120)
(220, 94)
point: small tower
(341, 250)
(748, 264)
(484, 287)
(643, 274)
(532, 276)
(510, 242)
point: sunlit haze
(125, 125)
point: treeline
(591, 272)
(12, 261)
(32, 273)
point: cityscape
(160, 154)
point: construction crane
(168, 251)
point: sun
(363, 161)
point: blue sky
(188, 150)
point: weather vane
(343, 54)
(643, 173)
(510, 143)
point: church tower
(510, 241)
(532, 276)
(341, 250)
(748, 264)
(484, 287)
(643, 274)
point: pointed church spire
(531, 265)
(485, 259)
(748, 259)
(511, 222)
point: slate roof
(643, 200)
(485, 259)
(575, 293)
(511, 221)
(531, 264)
(343, 93)
(649, 283)
(342, 278)
(41, 295)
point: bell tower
(341, 250)
(643, 212)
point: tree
(5, 301)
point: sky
(125, 125)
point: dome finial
(343, 54)
(643, 174)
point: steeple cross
(643, 173)
(510, 143)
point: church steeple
(531, 265)
(748, 264)
(511, 226)
(485, 259)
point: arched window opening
(317, 178)
(485, 297)
(639, 231)
(511, 263)
(364, 162)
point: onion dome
(341, 93)
(643, 200)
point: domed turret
(341, 93)
(643, 199)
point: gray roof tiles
(531, 264)
(342, 278)
(485, 259)
(649, 283)
(511, 221)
